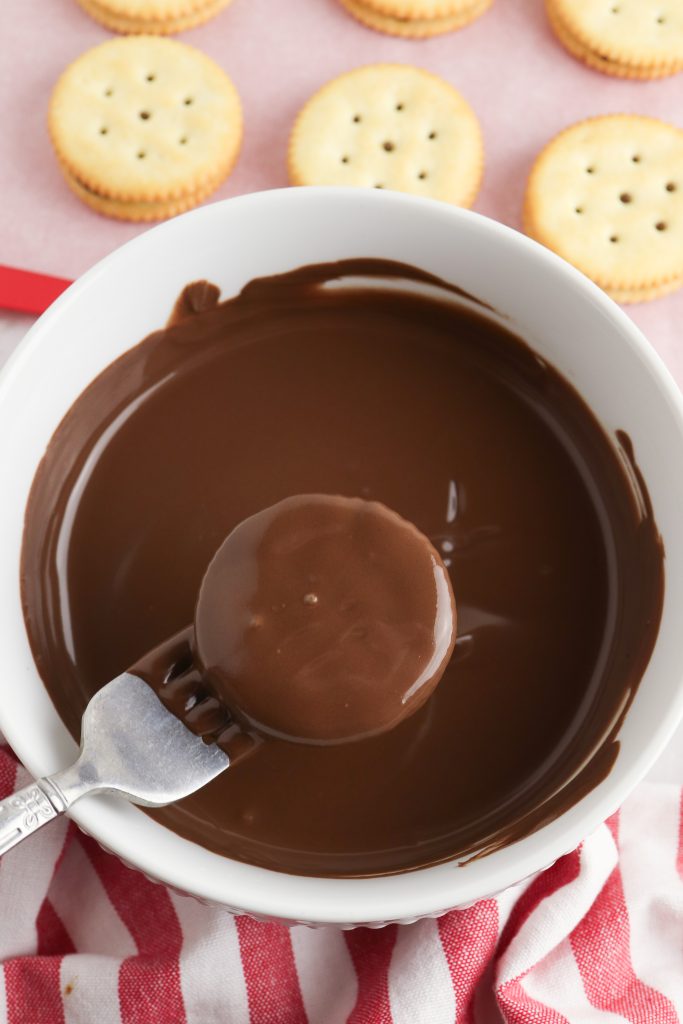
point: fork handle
(27, 810)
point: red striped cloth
(598, 937)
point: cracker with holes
(153, 17)
(627, 38)
(416, 19)
(607, 195)
(144, 127)
(389, 126)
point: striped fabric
(596, 938)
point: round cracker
(414, 28)
(389, 126)
(138, 212)
(626, 297)
(599, 63)
(645, 35)
(152, 10)
(145, 119)
(126, 25)
(607, 195)
(420, 10)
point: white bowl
(569, 321)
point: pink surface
(522, 84)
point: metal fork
(131, 746)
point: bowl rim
(410, 895)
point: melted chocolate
(324, 619)
(294, 388)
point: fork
(130, 746)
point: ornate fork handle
(27, 810)
(163, 761)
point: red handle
(28, 292)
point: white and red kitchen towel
(598, 937)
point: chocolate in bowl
(441, 414)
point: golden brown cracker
(389, 126)
(626, 297)
(137, 211)
(420, 10)
(145, 119)
(607, 195)
(414, 28)
(148, 10)
(628, 38)
(113, 17)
